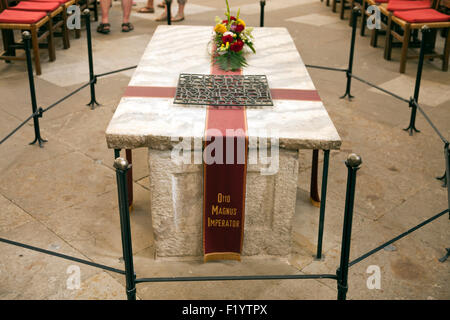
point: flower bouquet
(231, 36)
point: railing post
(92, 77)
(353, 163)
(313, 190)
(413, 102)
(355, 14)
(121, 165)
(262, 3)
(447, 173)
(326, 160)
(26, 36)
(169, 12)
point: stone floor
(63, 197)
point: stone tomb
(176, 185)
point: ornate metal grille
(223, 90)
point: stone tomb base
(176, 191)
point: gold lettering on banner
(226, 211)
(223, 198)
(222, 223)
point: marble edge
(116, 141)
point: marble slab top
(157, 123)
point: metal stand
(445, 257)
(443, 178)
(313, 190)
(129, 157)
(261, 17)
(413, 101)
(353, 164)
(169, 12)
(355, 14)
(92, 77)
(447, 171)
(26, 36)
(121, 166)
(326, 160)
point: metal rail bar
(66, 97)
(371, 252)
(325, 68)
(379, 88)
(20, 126)
(430, 122)
(63, 256)
(234, 278)
(115, 71)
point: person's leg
(180, 13)
(163, 16)
(126, 8)
(104, 26)
(148, 8)
(104, 5)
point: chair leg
(328, 3)
(342, 9)
(333, 8)
(446, 52)
(388, 43)
(51, 41)
(35, 45)
(96, 10)
(406, 36)
(65, 30)
(363, 18)
(374, 37)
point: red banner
(224, 175)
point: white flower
(228, 33)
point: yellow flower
(240, 21)
(220, 28)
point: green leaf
(250, 45)
(231, 61)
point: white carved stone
(176, 189)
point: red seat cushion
(36, 6)
(408, 5)
(59, 1)
(420, 16)
(21, 17)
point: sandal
(146, 10)
(127, 27)
(162, 5)
(177, 18)
(104, 28)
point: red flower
(224, 21)
(227, 38)
(239, 28)
(232, 18)
(237, 46)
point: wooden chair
(387, 9)
(65, 31)
(402, 23)
(36, 22)
(55, 11)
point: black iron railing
(353, 164)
